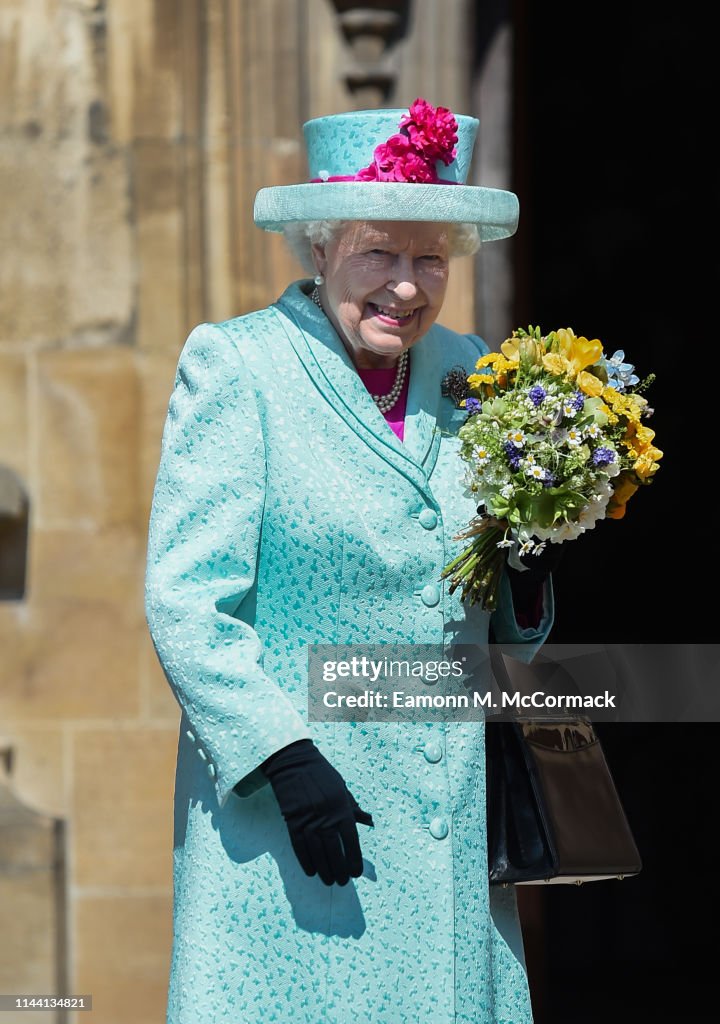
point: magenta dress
(380, 382)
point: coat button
(433, 752)
(211, 770)
(439, 828)
(190, 736)
(202, 754)
(428, 518)
(430, 595)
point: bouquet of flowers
(554, 441)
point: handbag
(553, 812)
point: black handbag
(553, 812)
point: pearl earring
(319, 279)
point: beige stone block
(101, 271)
(264, 265)
(36, 244)
(14, 415)
(38, 774)
(147, 72)
(157, 380)
(326, 92)
(70, 272)
(158, 699)
(122, 813)
(87, 424)
(122, 956)
(160, 233)
(68, 659)
(86, 567)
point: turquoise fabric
(287, 512)
(342, 144)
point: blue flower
(603, 456)
(514, 454)
(472, 405)
(537, 394)
(620, 374)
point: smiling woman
(327, 518)
(406, 265)
(384, 285)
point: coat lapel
(327, 361)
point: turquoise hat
(390, 165)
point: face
(385, 283)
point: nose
(403, 285)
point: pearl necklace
(384, 402)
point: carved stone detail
(371, 30)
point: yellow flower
(510, 348)
(590, 384)
(525, 350)
(556, 364)
(476, 379)
(498, 362)
(646, 464)
(611, 417)
(623, 405)
(643, 436)
(622, 492)
(578, 351)
(487, 360)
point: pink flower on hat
(433, 131)
(397, 160)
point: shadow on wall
(14, 523)
(33, 916)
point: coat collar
(328, 362)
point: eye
(378, 252)
(432, 257)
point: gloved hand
(539, 567)
(526, 586)
(319, 810)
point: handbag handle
(525, 681)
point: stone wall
(134, 136)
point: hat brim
(493, 210)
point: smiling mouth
(393, 316)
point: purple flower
(472, 405)
(550, 479)
(513, 454)
(603, 456)
(537, 394)
(578, 401)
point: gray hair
(300, 236)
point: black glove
(319, 810)
(525, 585)
(540, 566)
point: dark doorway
(615, 120)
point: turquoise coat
(286, 512)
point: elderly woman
(308, 493)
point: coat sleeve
(203, 541)
(505, 628)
